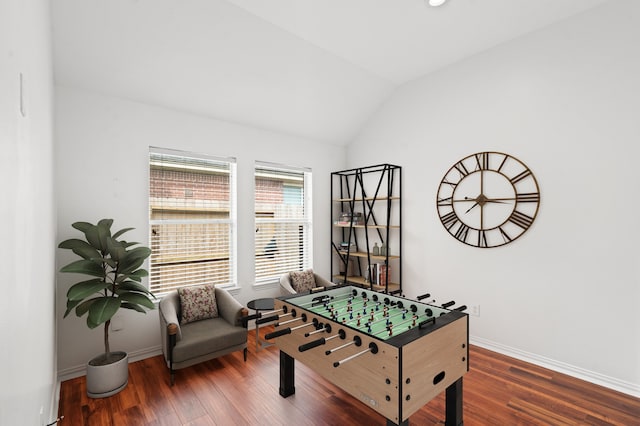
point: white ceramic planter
(107, 380)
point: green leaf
(93, 237)
(103, 310)
(133, 286)
(128, 305)
(115, 249)
(84, 266)
(137, 275)
(85, 289)
(91, 324)
(80, 247)
(83, 308)
(104, 232)
(82, 226)
(134, 259)
(138, 299)
(122, 231)
(70, 305)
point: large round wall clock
(488, 199)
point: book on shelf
(379, 274)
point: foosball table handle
(311, 345)
(277, 333)
(267, 319)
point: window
(283, 222)
(192, 218)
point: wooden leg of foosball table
(453, 400)
(287, 378)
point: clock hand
(497, 200)
(469, 209)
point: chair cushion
(197, 303)
(207, 336)
(302, 281)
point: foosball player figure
(373, 317)
(359, 318)
(413, 320)
(344, 320)
(385, 312)
(390, 328)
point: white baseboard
(561, 367)
(81, 370)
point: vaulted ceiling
(312, 68)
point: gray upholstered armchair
(184, 345)
(287, 286)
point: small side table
(265, 304)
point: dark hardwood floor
(498, 390)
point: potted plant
(115, 269)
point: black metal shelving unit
(367, 210)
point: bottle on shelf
(376, 249)
(383, 249)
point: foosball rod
(303, 317)
(428, 318)
(319, 329)
(284, 308)
(356, 341)
(321, 341)
(373, 348)
(377, 305)
(284, 331)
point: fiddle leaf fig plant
(115, 267)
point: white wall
(564, 100)
(27, 214)
(102, 171)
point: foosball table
(393, 354)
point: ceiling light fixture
(436, 3)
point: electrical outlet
(475, 310)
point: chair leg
(245, 354)
(172, 343)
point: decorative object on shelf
(367, 201)
(488, 199)
(115, 268)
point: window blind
(283, 221)
(192, 220)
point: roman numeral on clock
(449, 219)
(462, 169)
(444, 202)
(462, 232)
(528, 197)
(482, 238)
(482, 160)
(505, 236)
(520, 176)
(522, 220)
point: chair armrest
(285, 285)
(321, 282)
(168, 312)
(229, 308)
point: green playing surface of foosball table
(382, 317)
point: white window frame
(262, 277)
(230, 279)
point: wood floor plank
(498, 390)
